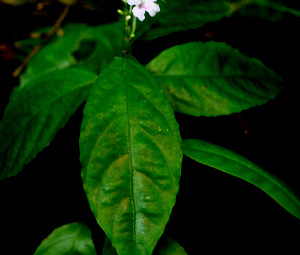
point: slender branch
(46, 39)
(59, 21)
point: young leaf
(175, 16)
(36, 112)
(211, 79)
(73, 238)
(83, 46)
(236, 165)
(131, 157)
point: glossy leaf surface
(211, 79)
(80, 45)
(73, 238)
(232, 163)
(131, 157)
(36, 112)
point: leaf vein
(129, 142)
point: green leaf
(175, 16)
(131, 156)
(277, 5)
(236, 165)
(170, 247)
(83, 46)
(108, 249)
(167, 246)
(251, 10)
(73, 238)
(36, 112)
(271, 10)
(211, 79)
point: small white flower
(141, 6)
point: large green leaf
(236, 165)
(73, 238)
(167, 246)
(36, 112)
(90, 48)
(131, 157)
(182, 15)
(211, 79)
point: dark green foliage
(130, 145)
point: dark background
(215, 213)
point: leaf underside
(212, 79)
(130, 155)
(232, 163)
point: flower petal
(132, 2)
(139, 13)
(153, 9)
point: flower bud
(120, 12)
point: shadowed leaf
(232, 163)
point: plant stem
(133, 27)
(129, 29)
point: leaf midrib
(129, 147)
